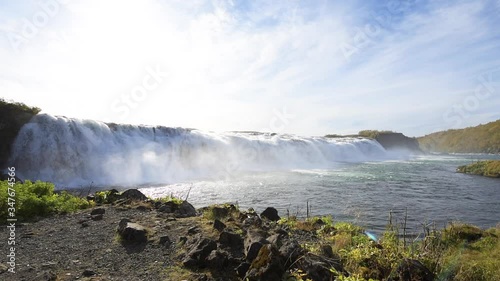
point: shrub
(37, 199)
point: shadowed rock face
(12, 118)
(393, 141)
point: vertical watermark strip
(11, 219)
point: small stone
(85, 224)
(253, 250)
(271, 214)
(218, 225)
(88, 273)
(97, 217)
(231, 240)
(132, 232)
(98, 211)
(165, 240)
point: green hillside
(480, 139)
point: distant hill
(388, 139)
(480, 139)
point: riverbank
(126, 236)
(489, 168)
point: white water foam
(76, 153)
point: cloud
(231, 64)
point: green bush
(37, 200)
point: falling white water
(76, 153)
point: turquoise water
(426, 187)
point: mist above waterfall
(76, 153)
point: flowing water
(351, 179)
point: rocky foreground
(130, 237)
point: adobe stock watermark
(32, 26)
(11, 220)
(471, 103)
(153, 78)
(277, 124)
(369, 32)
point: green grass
(490, 168)
(38, 199)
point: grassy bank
(489, 168)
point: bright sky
(302, 67)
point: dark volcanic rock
(271, 214)
(253, 243)
(132, 232)
(165, 241)
(98, 211)
(97, 217)
(185, 210)
(267, 266)
(217, 259)
(231, 240)
(167, 207)
(133, 194)
(88, 273)
(218, 225)
(199, 252)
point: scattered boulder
(97, 217)
(167, 207)
(271, 214)
(133, 194)
(411, 270)
(132, 232)
(165, 241)
(231, 240)
(253, 243)
(185, 210)
(98, 211)
(218, 225)
(253, 250)
(88, 273)
(217, 259)
(253, 221)
(267, 266)
(199, 252)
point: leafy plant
(30, 200)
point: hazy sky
(302, 67)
